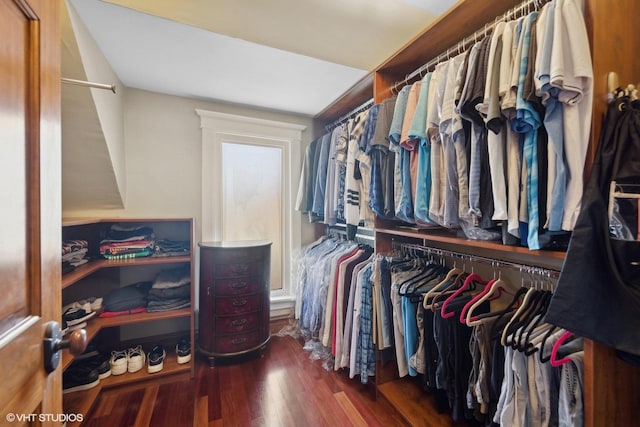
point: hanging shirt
(553, 120)
(423, 177)
(321, 177)
(571, 71)
(382, 163)
(395, 135)
(333, 178)
(527, 122)
(353, 181)
(436, 201)
(364, 160)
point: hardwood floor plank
(201, 412)
(351, 411)
(174, 405)
(146, 408)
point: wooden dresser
(234, 297)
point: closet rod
(540, 271)
(350, 114)
(465, 43)
(112, 88)
(363, 233)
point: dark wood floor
(282, 388)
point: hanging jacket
(598, 291)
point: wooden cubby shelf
(122, 272)
(93, 266)
(94, 325)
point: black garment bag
(598, 291)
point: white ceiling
(288, 55)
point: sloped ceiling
(296, 56)
(93, 174)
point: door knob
(53, 343)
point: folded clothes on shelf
(122, 241)
(167, 248)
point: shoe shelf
(93, 266)
(81, 402)
(97, 323)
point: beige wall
(163, 155)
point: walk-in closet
(340, 213)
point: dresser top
(235, 244)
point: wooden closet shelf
(94, 325)
(446, 237)
(93, 266)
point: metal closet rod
(465, 43)
(352, 113)
(112, 88)
(539, 271)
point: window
(250, 169)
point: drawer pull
(239, 322)
(239, 285)
(240, 268)
(239, 303)
(238, 341)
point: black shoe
(155, 359)
(79, 378)
(97, 362)
(74, 316)
(183, 350)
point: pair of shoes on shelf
(89, 304)
(85, 373)
(130, 360)
(155, 359)
(74, 316)
(183, 350)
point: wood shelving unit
(90, 229)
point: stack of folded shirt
(74, 253)
(126, 241)
(170, 291)
(127, 300)
(172, 248)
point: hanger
(471, 280)
(519, 312)
(498, 285)
(550, 332)
(451, 275)
(555, 362)
(532, 322)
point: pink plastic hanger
(556, 346)
(470, 279)
(467, 306)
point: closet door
(30, 207)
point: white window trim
(222, 127)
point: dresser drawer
(237, 305)
(237, 269)
(240, 254)
(240, 286)
(235, 324)
(237, 343)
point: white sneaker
(136, 359)
(118, 362)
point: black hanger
(534, 320)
